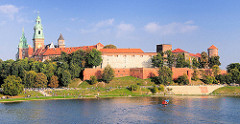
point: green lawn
(32, 93)
(119, 82)
(74, 83)
(229, 90)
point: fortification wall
(127, 61)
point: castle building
(121, 58)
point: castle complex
(125, 61)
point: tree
(215, 70)
(12, 85)
(170, 58)
(210, 80)
(235, 75)
(40, 81)
(183, 80)
(94, 58)
(65, 78)
(108, 74)
(195, 63)
(110, 46)
(180, 61)
(164, 75)
(134, 87)
(93, 80)
(158, 60)
(29, 79)
(53, 83)
(204, 60)
(214, 60)
(232, 66)
(195, 74)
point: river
(182, 109)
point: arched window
(38, 22)
(39, 32)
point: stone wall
(115, 60)
(194, 90)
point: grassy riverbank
(229, 90)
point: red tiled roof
(212, 47)
(130, 50)
(178, 50)
(58, 51)
(195, 55)
(100, 44)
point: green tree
(215, 70)
(40, 81)
(93, 80)
(232, 66)
(53, 83)
(210, 80)
(214, 60)
(65, 78)
(195, 63)
(158, 60)
(12, 85)
(29, 79)
(110, 46)
(164, 75)
(170, 58)
(235, 75)
(195, 74)
(94, 58)
(108, 74)
(134, 87)
(204, 60)
(180, 61)
(183, 80)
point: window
(38, 22)
(39, 32)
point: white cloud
(108, 22)
(126, 27)
(98, 27)
(172, 28)
(9, 10)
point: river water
(182, 109)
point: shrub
(93, 80)
(183, 80)
(165, 75)
(161, 88)
(134, 87)
(108, 74)
(12, 85)
(210, 80)
(154, 89)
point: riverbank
(227, 91)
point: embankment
(194, 90)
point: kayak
(165, 102)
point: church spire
(23, 41)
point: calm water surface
(182, 109)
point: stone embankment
(194, 90)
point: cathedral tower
(61, 42)
(38, 37)
(22, 47)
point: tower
(22, 47)
(61, 42)
(212, 51)
(38, 37)
(163, 48)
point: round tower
(212, 51)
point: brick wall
(144, 73)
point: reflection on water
(182, 109)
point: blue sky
(192, 25)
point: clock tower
(38, 37)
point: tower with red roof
(212, 51)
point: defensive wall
(194, 90)
(145, 73)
